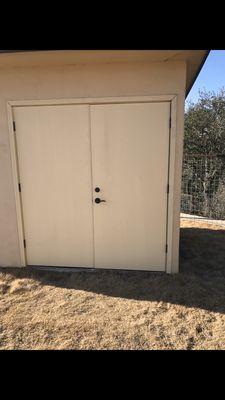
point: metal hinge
(166, 248)
(19, 185)
(14, 126)
(168, 188)
(24, 243)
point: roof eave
(197, 73)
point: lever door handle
(97, 200)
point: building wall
(73, 81)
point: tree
(204, 124)
(204, 155)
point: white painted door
(130, 151)
(62, 158)
(54, 159)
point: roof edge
(197, 73)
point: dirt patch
(119, 309)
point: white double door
(64, 153)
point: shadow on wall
(201, 282)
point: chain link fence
(203, 186)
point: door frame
(90, 101)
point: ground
(121, 310)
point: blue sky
(211, 77)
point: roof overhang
(17, 58)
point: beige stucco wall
(81, 80)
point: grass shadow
(200, 283)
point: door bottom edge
(59, 268)
(144, 269)
(92, 269)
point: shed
(91, 157)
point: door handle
(97, 200)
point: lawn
(118, 309)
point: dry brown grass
(121, 310)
